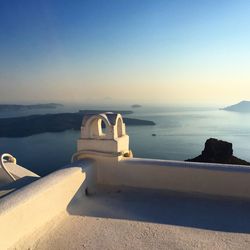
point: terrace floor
(117, 218)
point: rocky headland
(217, 151)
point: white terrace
(106, 199)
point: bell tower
(103, 135)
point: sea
(180, 132)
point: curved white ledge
(30, 207)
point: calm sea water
(180, 134)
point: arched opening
(119, 127)
(104, 128)
(98, 128)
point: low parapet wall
(187, 177)
(29, 208)
(113, 164)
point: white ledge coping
(27, 209)
(18, 197)
(186, 164)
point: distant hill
(243, 106)
(18, 107)
(36, 124)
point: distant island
(99, 111)
(19, 107)
(217, 151)
(36, 124)
(243, 106)
(136, 106)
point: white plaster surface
(29, 208)
(144, 219)
(115, 140)
(189, 177)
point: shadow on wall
(165, 208)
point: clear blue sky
(147, 51)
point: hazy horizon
(118, 104)
(146, 52)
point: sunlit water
(180, 134)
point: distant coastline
(243, 106)
(37, 124)
(18, 107)
(98, 111)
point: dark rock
(217, 151)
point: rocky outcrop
(217, 151)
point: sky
(125, 51)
